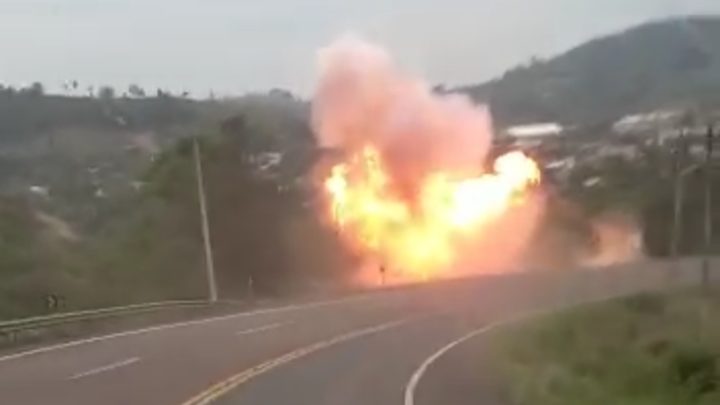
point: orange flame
(420, 238)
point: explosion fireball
(410, 191)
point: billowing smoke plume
(363, 98)
(414, 162)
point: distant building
(41, 191)
(560, 168)
(627, 152)
(534, 134)
(602, 150)
(266, 164)
(647, 123)
(663, 126)
(267, 161)
(592, 181)
(657, 126)
(693, 134)
(137, 185)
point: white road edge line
(79, 342)
(113, 366)
(216, 391)
(261, 328)
(411, 386)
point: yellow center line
(227, 385)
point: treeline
(29, 111)
(146, 244)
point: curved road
(412, 346)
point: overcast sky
(234, 46)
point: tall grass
(649, 349)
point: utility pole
(708, 207)
(678, 205)
(678, 194)
(209, 264)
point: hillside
(671, 63)
(98, 196)
(69, 154)
(98, 200)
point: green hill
(140, 239)
(671, 63)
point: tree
(36, 89)
(281, 93)
(106, 93)
(136, 91)
(10, 90)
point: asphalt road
(411, 346)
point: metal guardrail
(655, 272)
(17, 325)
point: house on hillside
(655, 127)
(663, 126)
(40, 191)
(647, 122)
(533, 135)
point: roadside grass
(649, 349)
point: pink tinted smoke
(363, 98)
